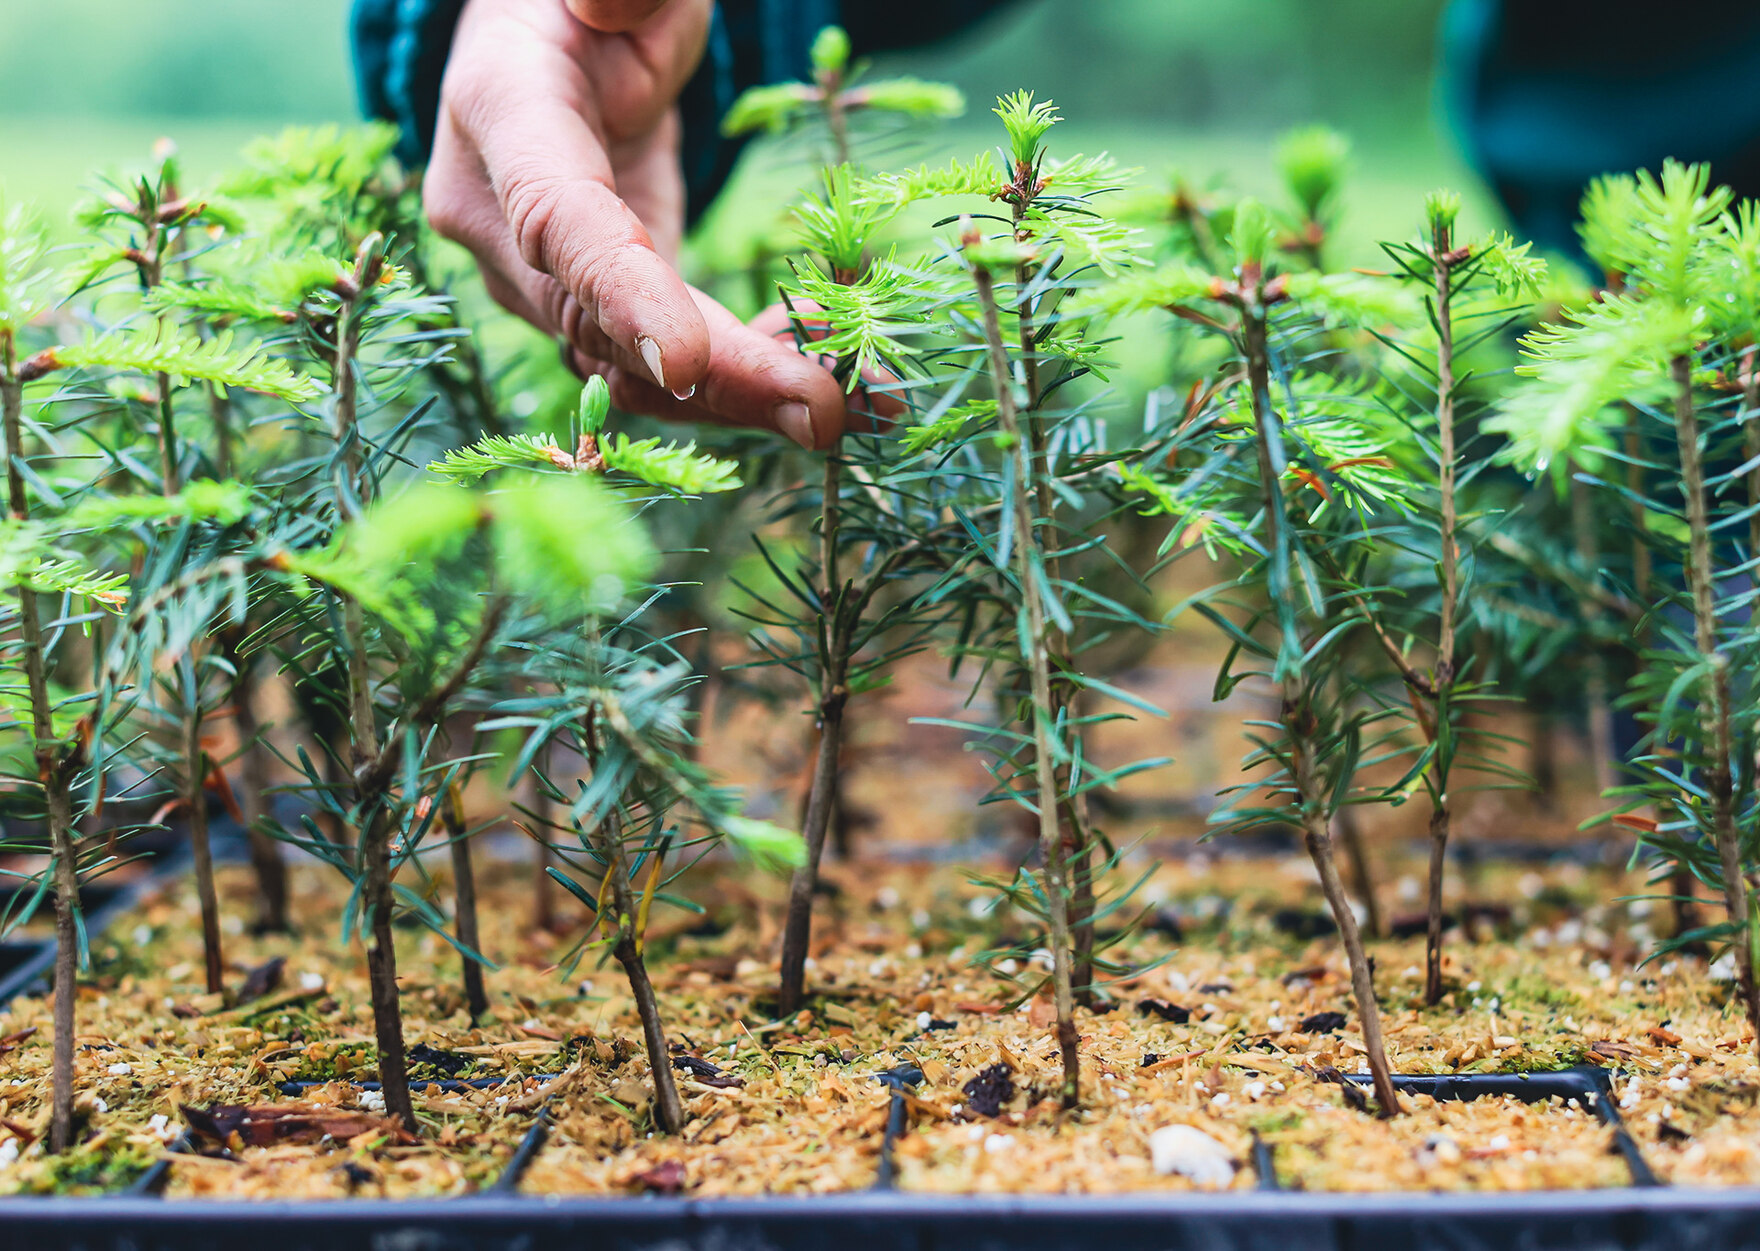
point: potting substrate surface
(1227, 1065)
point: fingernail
(684, 394)
(796, 422)
(650, 351)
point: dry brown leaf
(265, 1124)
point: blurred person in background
(569, 144)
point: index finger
(525, 109)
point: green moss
(1545, 1058)
(1276, 1122)
(363, 1060)
(1537, 993)
(97, 1167)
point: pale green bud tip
(1312, 161)
(595, 404)
(830, 52)
(1441, 208)
(1251, 236)
(1027, 123)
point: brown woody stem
(1715, 703)
(668, 1109)
(253, 776)
(1298, 714)
(1597, 698)
(834, 623)
(1072, 820)
(375, 832)
(196, 800)
(54, 769)
(1442, 691)
(1035, 648)
(194, 795)
(465, 891)
(1350, 836)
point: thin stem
(196, 800)
(1035, 647)
(372, 775)
(253, 776)
(1350, 835)
(1442, 693)
(194, 795)
(1319, 843)
(838, 613)
(1072, 820)
(668, 1109)
(168, 467)
(220, 415)
(152, 270)
(1298, 713)
(543, 811)
(54, 769)
(374, 831)
(349, 487)
(61, 844)
(1716, 712)
(834, 634)
(465, 890)
(1408, 672)
(1596, 696)
(382, 973)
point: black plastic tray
(1629, 1220)
(1588, 1085)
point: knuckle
(567, 315)
(597, 271)
(533, 204)
(443, 208)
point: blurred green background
(1198, 85)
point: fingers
(759, 380)
(875, 399)
(614, 16)
(749, 379)
(754, 381)
(463, 208)
(518, 103)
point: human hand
(556, 162)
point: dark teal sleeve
(1547, 94)
(400, 50)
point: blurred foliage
(1228, 63)
(1232, 64)
(177, 58)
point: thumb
(614, 16)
